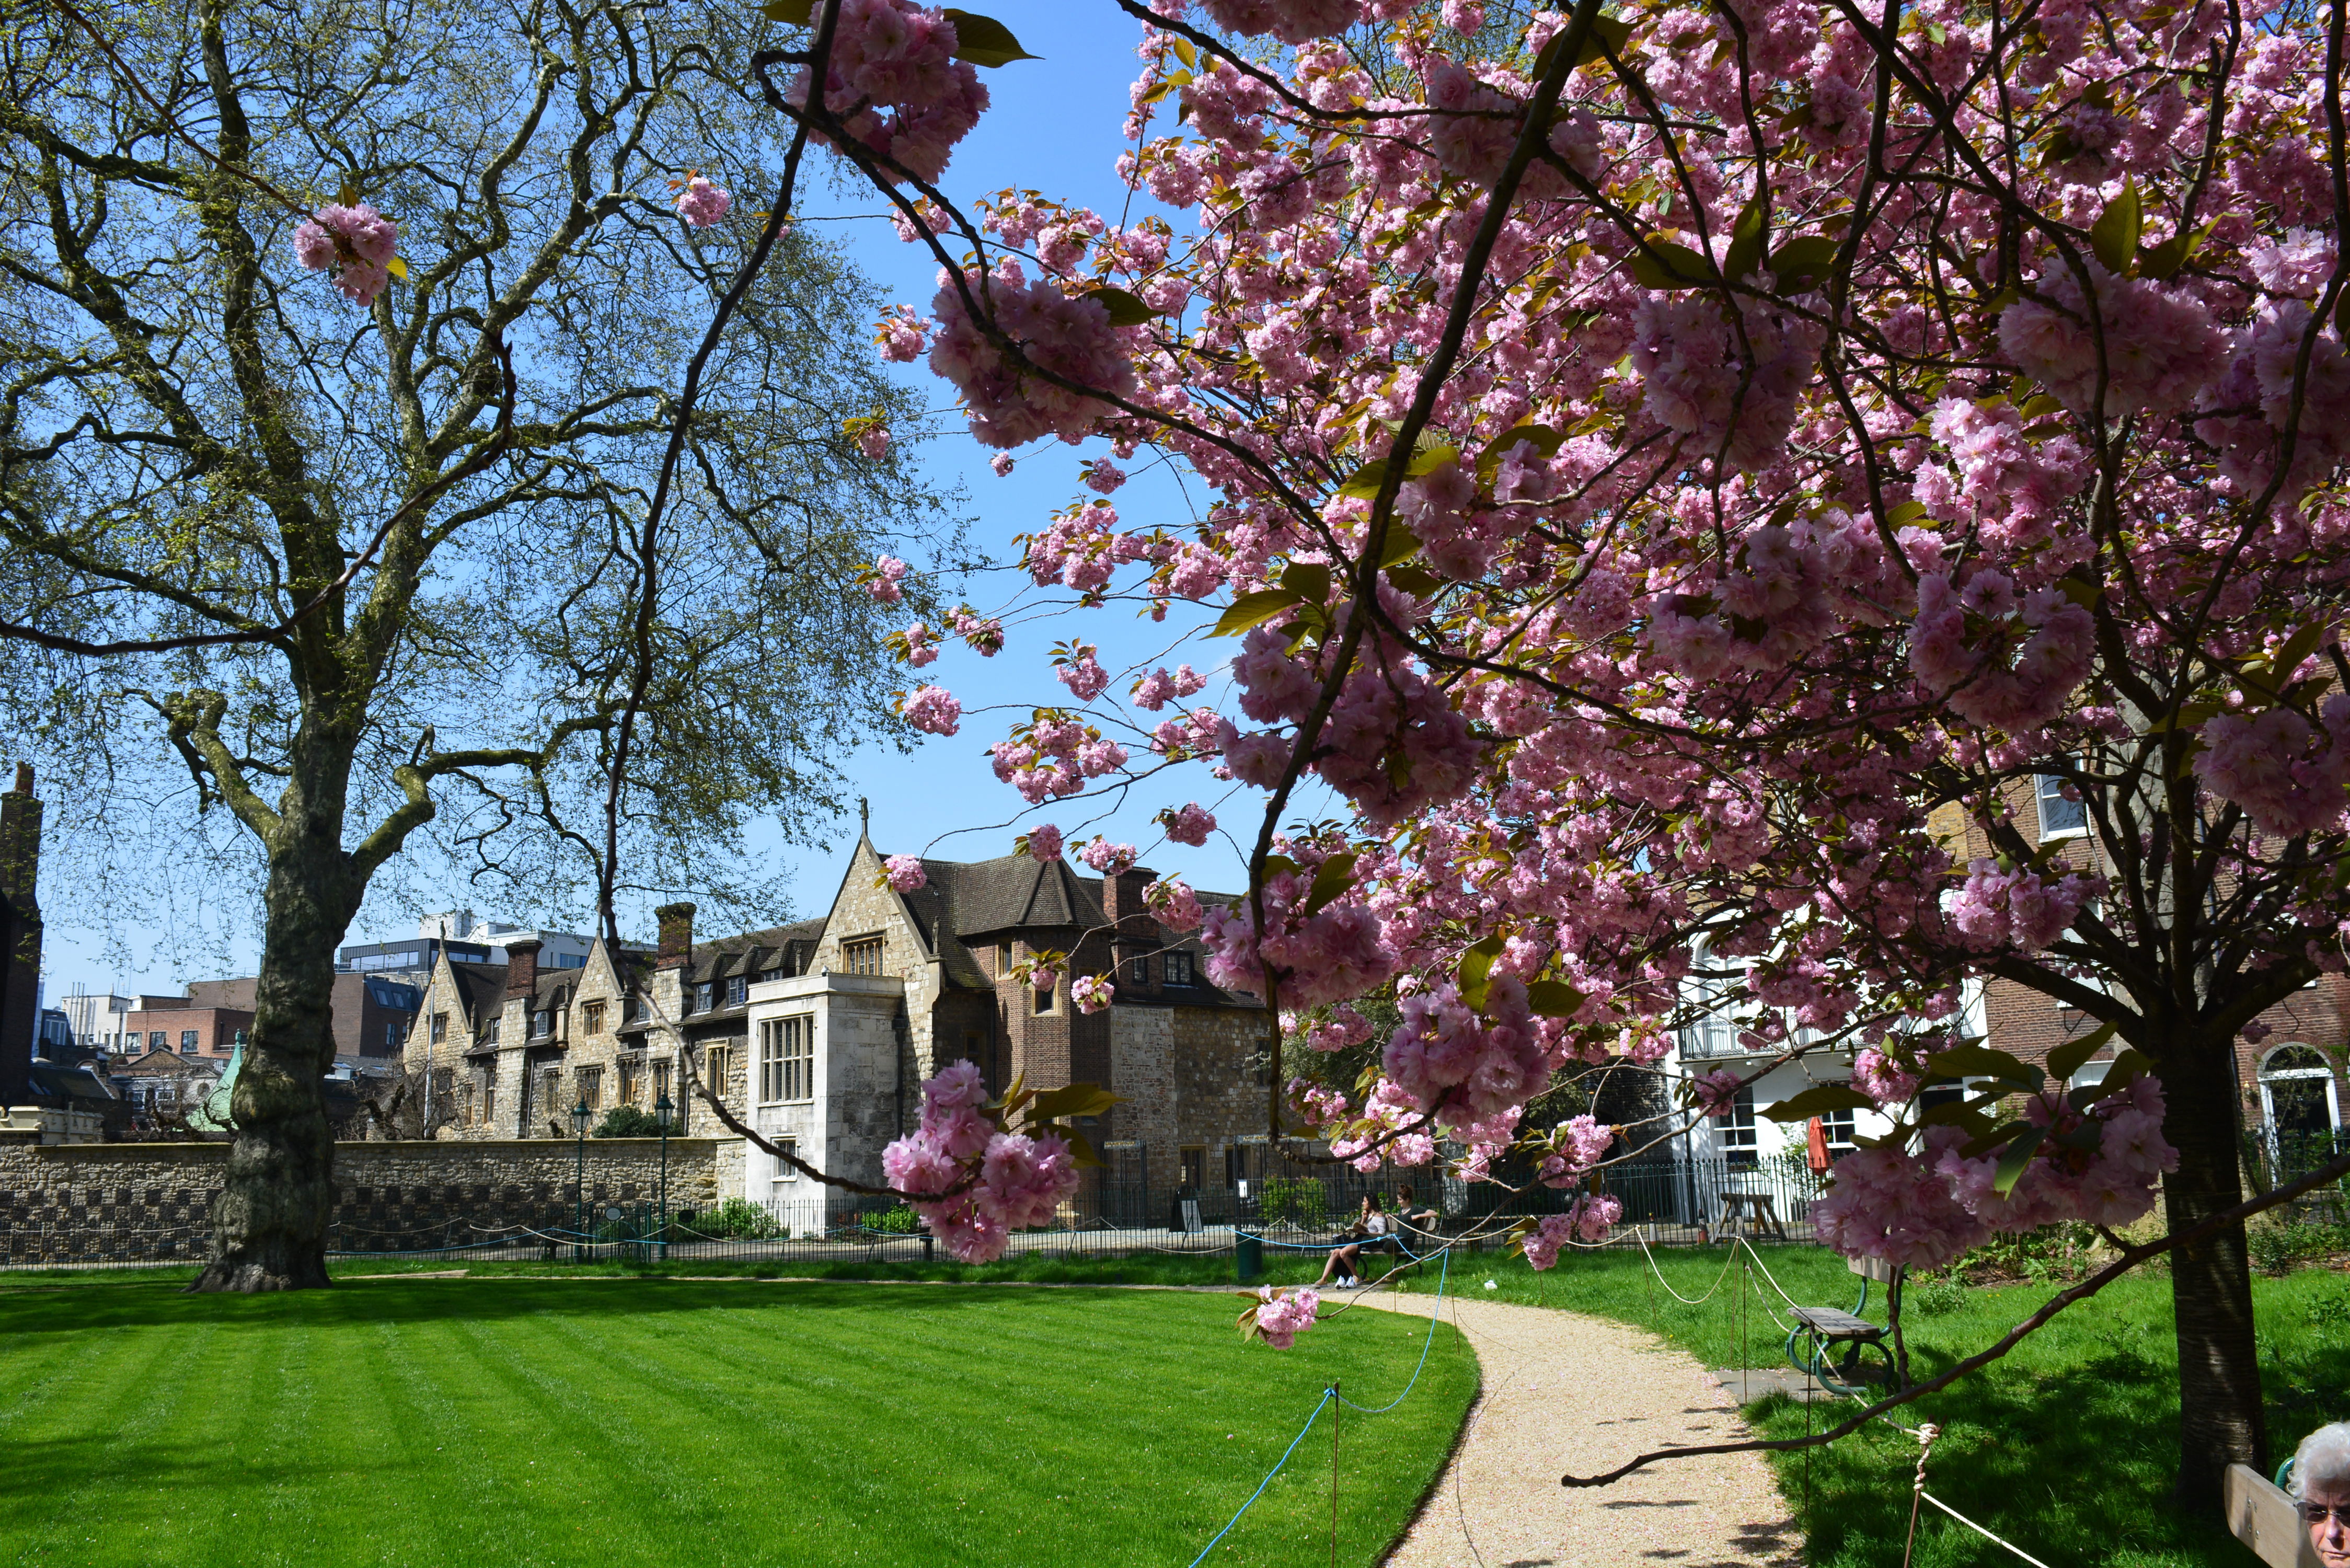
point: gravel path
(1565, 1392)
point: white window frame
(786, 1060)
(785, 1170)
(2297, 1075)
(2044, 787)
(1740, 1133)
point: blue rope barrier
(1438, 1311)
(1227, 1530)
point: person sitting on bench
(1407, 1218)
(2320, 1486)
(1369, 1233)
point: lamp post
(579, 1117)
(665, 1112)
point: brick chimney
(1122, 900)
(521, 969)
(676, 936)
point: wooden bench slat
(1830, 1323)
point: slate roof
(967, 902)
(480, 988)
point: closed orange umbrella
(1815, 1139)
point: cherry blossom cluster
(1587, 1221)
(356, 244)
(1282, 1314)
(1010, 1182)
(1054, 754)
(895, 82)
(702, 204)
(2101, 1165)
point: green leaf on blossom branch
(2113, 237)
(983, 40)
(1803, 263)
(1251, 610)
(1309, 580)
(1335, 874)
(1554, 998)
(1477, 972)
(2018, 1155)
(1366, 481)
(1660, 263)
(1542, 437)
(1605, 30)
(2162, 262)
(1983, 1062)
(2067, 1059)
(1817, 1101)
(1745, 244)
(1125, 309)
(791, 13)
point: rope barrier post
(1334, 1473)
(1927, 1433)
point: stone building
(819, 1033)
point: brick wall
(100, 1202)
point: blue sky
(1053, 127)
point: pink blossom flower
(702, 204)
(1103, 475)
(357, 241)
(932, 709)
(873, 441)
(1883, 1079)
(905, 872)
(1284, 1315)
(1092, 993)
(883, 578)
(1108, 858)
(1716, 1092)
(1191, 825)
(1044, 843)
(1084, 675)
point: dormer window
(702, 996)
(630, 1006)
(1179, 968)
(542, 1022)
(738, 990)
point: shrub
(740, 1219)
(2331, 1312)
(1934, 1295)
(1301, 1198)
(628, 1121)
(898, 1222)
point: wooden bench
(2265, 1519)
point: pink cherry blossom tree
(1682, 474)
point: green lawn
(2067, 1446)
(516, 1420)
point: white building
(97, 1018)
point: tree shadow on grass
(2072, 1463)
(26, 1315)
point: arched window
(2299, 1099)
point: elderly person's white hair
(2322, 1463)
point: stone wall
(123, 1201)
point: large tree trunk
(2220, 1417)
(269, 1227)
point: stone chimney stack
(20, 937)
(676, 936)
(521, 969)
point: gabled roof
(1013, 891)
(480, 988)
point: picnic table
(1751, 1214)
